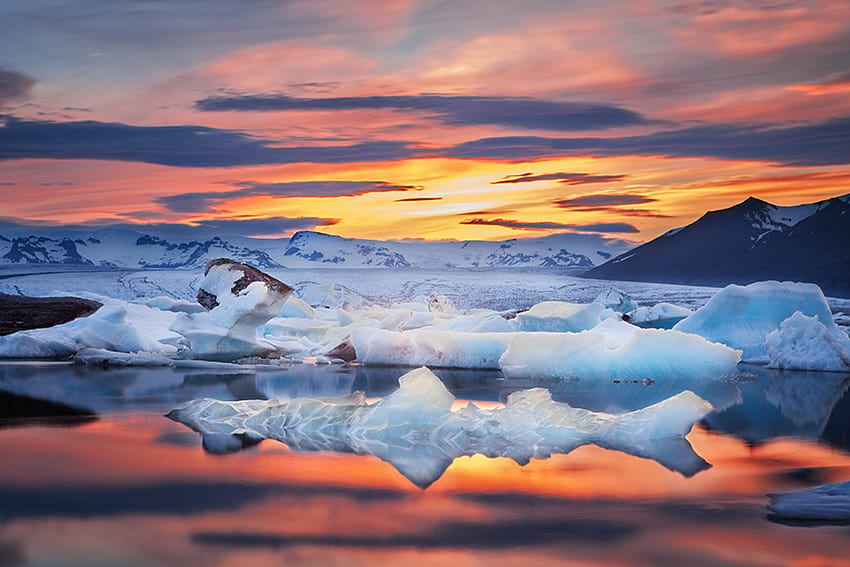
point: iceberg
(804, 343)
(825, 504)
(659, 316)
(616, 300)
(117, 326)
(742, 316)
(240, 299)
(615, 350)
(429, 347)
(562, 317)
(165, 303)
(416, 430)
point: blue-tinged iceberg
(742, 316)
(615, 350)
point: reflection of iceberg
(780, 403)
(416, 431)
(101, 390)
(823, 505)
(17, 411)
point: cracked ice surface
(416, 431)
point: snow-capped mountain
(560, 250)
(125, 249)
(129, 249)
(753, 240)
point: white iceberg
(661, 315)
(416, 430)
(117, 326)
(616, 300)
(805, 343)
(615, 350)
(829, 503)
(742, 316)
(165, 303)
(562, 317)
(429, 347)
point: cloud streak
(605, 227)
(205, 201)
(822, 143)
(181, 146)
(610, 200)
(517, 112)
(198, 230)
(564, 178)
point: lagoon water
(93, 473)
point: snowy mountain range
(122, 248)
(753, 240)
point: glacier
(418, 432)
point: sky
(432, 119)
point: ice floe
(417, 430)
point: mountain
(753, 240)
(125, 249)
(129, 249)
(560, 250)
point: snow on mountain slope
(125, 248)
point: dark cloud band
(206, 200)
(517, 112)
(615, 227)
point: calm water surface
(93, 474)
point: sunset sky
(466, 119)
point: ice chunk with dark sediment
(239, 299)
(417, 430)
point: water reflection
(133, 488)
(415, 430)
(781, 404)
